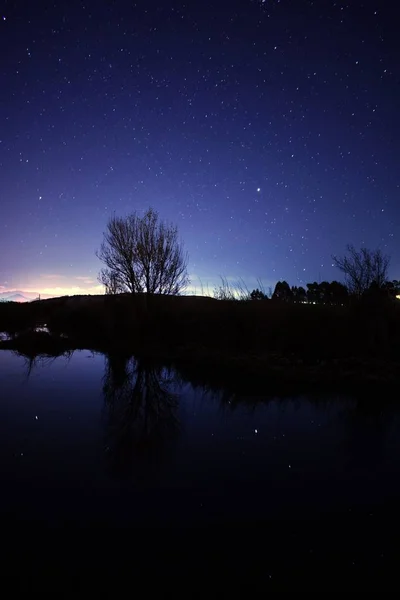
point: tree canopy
(362, 268)
(142, 254)
(326, 292)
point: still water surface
(88, 438)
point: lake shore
(243, 345)
(237, 370)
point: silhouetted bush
(258, 295)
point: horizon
(197, 288)
(192, 290)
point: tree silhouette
(282, 292)
(362, 268)
(142, 254)
(258, 295)
(339, 293)
(299, 294)
(111, 282)
(327, 292)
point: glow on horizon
(54, 291)
(67, 291)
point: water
(88, 439)
(77, 441)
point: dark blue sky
(267, 131)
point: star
(189, 129)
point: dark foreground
(299, 346)
(119, 471)
(333, 556)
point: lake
(120, 442)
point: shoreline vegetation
(241, 345)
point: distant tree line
(365, 271)
(317, 293)
(326, 292)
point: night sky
(267, 131)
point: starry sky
(267, 131)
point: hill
(13, 297)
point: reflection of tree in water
(33, 360)
(141, 410)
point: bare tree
(362, 268)
(110, 281)
(142, 254)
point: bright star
(258, 189)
